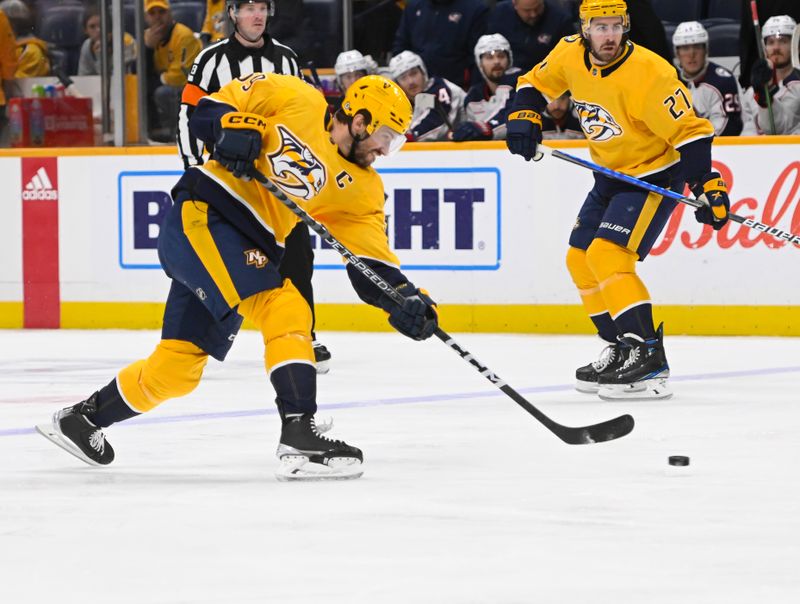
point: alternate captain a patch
(597, 123)
(297, 170)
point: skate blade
(587, 387)
(297, 468)
(646, 390)
(55, 437)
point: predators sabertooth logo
(298, 171)
(596, 122)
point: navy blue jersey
(481, 105)
(530, 44)
(444, 34)
(716, 96)
(436, 111)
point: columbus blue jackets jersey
(716, 96)
(436, 111)
(480, 105)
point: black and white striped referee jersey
(217, 65)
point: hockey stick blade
(586, 435)
(605, 431)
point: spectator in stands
(32, 58)
(560, 120)
(8, 66)
(170, 49)
(647, 29)
(443, 33)
(350, 66)
(374, 25)
(438, 103)
(487, 103)
(748, 52)
(777, 74)
(215, 26)
(89, 61)
(291, 25)
(715, 91)
(532, 27)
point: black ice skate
(610, 359)
(322, 357)
(307, 455)
(644, 373)
(72, 430)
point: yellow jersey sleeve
(667, 109)
(548, 77)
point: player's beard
(779, 61)
(608, 52)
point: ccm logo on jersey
(298, 171)
(596, 122)
(246, 119)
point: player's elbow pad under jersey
(696, 159)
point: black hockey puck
(678, 460)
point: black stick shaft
(604, 431)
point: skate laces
(98, 441)
(321, 430)
(633, 357)
(606, 358)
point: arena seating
(676, 11)
(61, 26)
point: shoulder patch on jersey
(597, 123)
(572, 38)
(299, 172)
(724, 73)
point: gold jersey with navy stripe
(634, 111)
(299, 156)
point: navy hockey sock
(111, 408)
(638, 320)
(296, 387)
(606, 328)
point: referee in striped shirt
(247, 50)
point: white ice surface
(465, 497)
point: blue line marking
(408, 400)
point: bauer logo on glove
(713, 192)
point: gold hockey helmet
(385, 101)
(592, 9)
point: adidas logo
(39, 188)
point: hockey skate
(307, 455)
(643, 375)
(72, 430)
(610, 359)
(322, 357)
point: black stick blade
(597, 433)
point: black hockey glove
(237, 143)
(712, 191)
(524, 133)
(472, 131)
(762, 75)
(416, 317)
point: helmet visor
(389, 141)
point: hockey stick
(760, 48)
(608, 430)
(695, 203)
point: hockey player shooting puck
(678, 460)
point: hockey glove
(762, 75)
(711, 190)
(524, 133)
(472, 131)
(416, 317)
(237, 142)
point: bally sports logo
(40, 179)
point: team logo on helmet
(597, 123)
(298, 171)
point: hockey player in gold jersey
(222, 243)
(638, 119)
